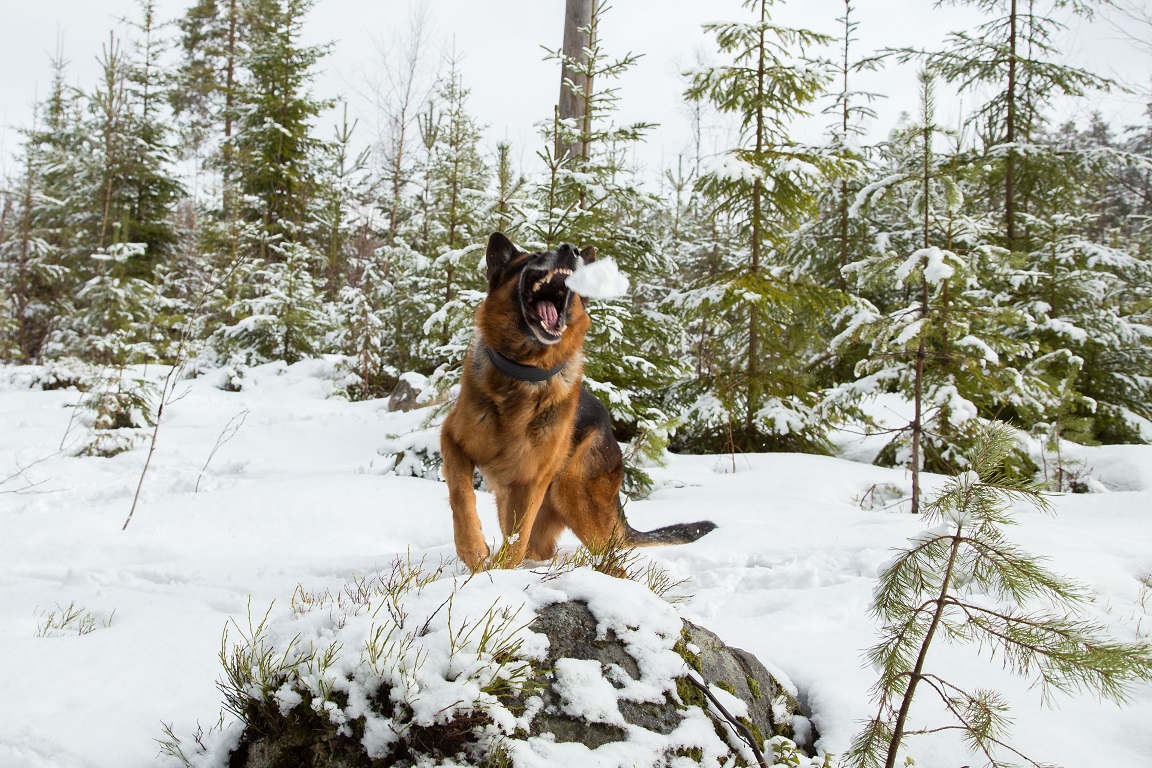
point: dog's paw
(476, 558)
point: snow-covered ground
(298, 497)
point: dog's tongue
(546, 311)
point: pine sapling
(940, 588)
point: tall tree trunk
(921, 347)
(752, 364)
(229, 109)
(1010, 133)
(841, 282)
(112, 110)
(22, 295)
(918, 405)
(578, 15)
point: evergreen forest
(1000, 269)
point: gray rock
(404, 395)
(304, 740)
(571, 630)
(770, 707)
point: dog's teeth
(537, 286)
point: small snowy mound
(427, 667)
(599, 280)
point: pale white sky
(512, 86)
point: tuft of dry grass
(71, 620)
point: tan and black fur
(545, 446)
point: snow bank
(296, 497)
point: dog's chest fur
(527, 427)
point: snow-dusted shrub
(645, 450)
(880, 496)
(56, 374)
(121, 317)
(118, 409)
(414, 454)
(713, 423)
(230, 377)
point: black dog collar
(522, 372)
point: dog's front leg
(458, 469)
(518, 505)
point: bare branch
(229, 432)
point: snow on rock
(408, 391)
(585, 692)
(601, 279)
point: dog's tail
(681, 533)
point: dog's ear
(500, 252)
(588, 254)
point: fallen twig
(738, 726)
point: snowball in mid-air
(599, 280)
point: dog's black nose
(566, 249)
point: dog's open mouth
(545, 297)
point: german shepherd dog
(542, 441)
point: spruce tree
(206, 86)
(407, 291)
(30, 275)
(457, 178)
(837, 235)
(834, 238)
(941, 338)
(760, 392)
(120, 322)
(115, 214)
(1078, 280)
(105, 165)
(433, 256)
(1040, 182)
(133, 188)
(1135, 183)
(121, 318)
(362, 329)
(406, 303)
(151, 188)
(508, 199)
(1079, 298)
(341, 191)
(283, 317)
(275, 148)
(55, 196)
(1012, 56)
